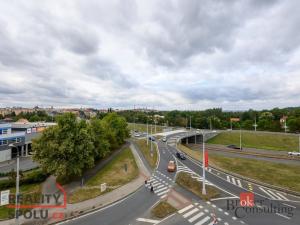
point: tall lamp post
(240, 136)
(17, 184)
(203, 163)
(147, 133)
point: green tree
(293, 124)
(65, 150)
(99, 138)
(116, 126)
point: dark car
(234, 147)
(181, 156)
(151, 138)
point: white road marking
(289, 205)
(228, 179)
(203, 220)
(286, 217)
(161, 189)
(163, 192)
(281, 196)
(239, 183)
(196, 217)
(148, 220)
(190, 212)
(273, 196)
(185, 209)
(233, 180)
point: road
(135, 209)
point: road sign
(4, 197)
(103, 187)
(206, 159)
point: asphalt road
(135, 208)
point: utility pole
(240, 136)
(210, 125)
(285, 126)
(190, 123)
(147, 133)
(255, 125)
(17, 186)
(203, 164)
(299, 142)
(151, 149)
(134, 118)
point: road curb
(98, 208)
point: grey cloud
(105, 70)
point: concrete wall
(5, 155)
(191, 139)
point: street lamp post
(147, 134)
(240, 136)
(151, 149)
(299, 142)
(255, 124)
(203, 164)
(17, 185)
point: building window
(3, 142)
(4, 131)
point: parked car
(171, 166)
(294, 153)
(164, 139)
(137, 135)
(234, 147)
(180, 155)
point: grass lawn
(162, 210)
(186, 181)
(146, 151)
(279, 174)
(113, 174)
(270, 141)
(32, 189)
(143, 127)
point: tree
(116, 126)
(98, 134)
(65, 150)
(294, 124)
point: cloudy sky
(185, 54)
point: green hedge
(36, 176)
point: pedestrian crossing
(274, 195)
(196, 215)
(235, 181)
(161, 184)
(182, 168)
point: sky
(185, 54)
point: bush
(36, 176)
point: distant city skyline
(186, 55)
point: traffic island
(162, 210)
(145, 149)
(186, 181)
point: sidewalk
(74, 210)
